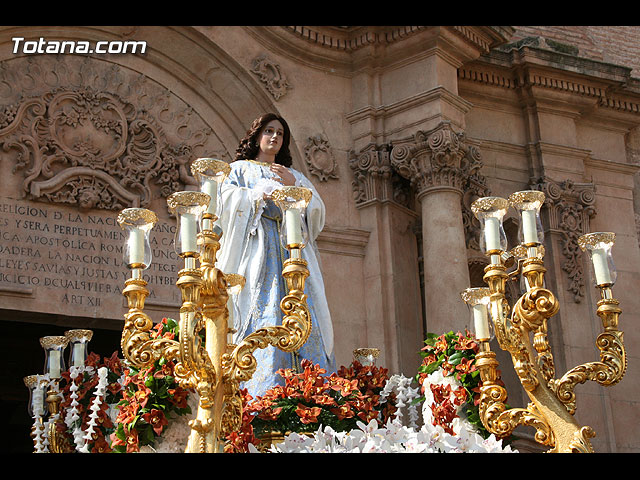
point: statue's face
(271, 137)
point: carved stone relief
(271, 75)
(569, 206)
(89, 132)
(320, 159)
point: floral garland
(309, 399)
(87, 398)
(151, 397)
(450, 381)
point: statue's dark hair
(249, 145)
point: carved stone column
(439, 164)
(393, 306)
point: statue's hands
(283, 172)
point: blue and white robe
(251, 247)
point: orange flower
(308, 414)
(344, 386)
(343, 411)
(324, 400)
(127, 413)
(441, 344)
(142, 395)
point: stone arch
(137, 118)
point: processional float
(521, 330)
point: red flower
(101, 446)
(178, 397)
(466, 343)
(460, 396)
(270, 413)
(165, 370)
(156, 419)
(113, 363)
(132, 441)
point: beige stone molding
(569, 206)
(338, 49)
(346, 241)
(534, 64)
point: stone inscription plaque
(60, 260)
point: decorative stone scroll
(91, 133)
(569, 206)
(320, 159)
(271, 75)
(375, 179)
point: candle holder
(138, 222)
(78, 340)
(214, 367)
(54, 365)
(293, 202)
(366, 356)
(521, 330)
(477, 299)
(210, 173)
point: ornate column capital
(569, 206)
(374, 178)
(436, 159)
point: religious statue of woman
(251, 247)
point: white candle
(78, 355)
(529, 228)
(136, 246)
(54, 363)
(492, 233)
(481, 321)
(188, 240)
(294, 230)
(210, 187)
(600, 266)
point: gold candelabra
(212, 365)
(522, 330)
(44, 390)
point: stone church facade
(399, 128)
